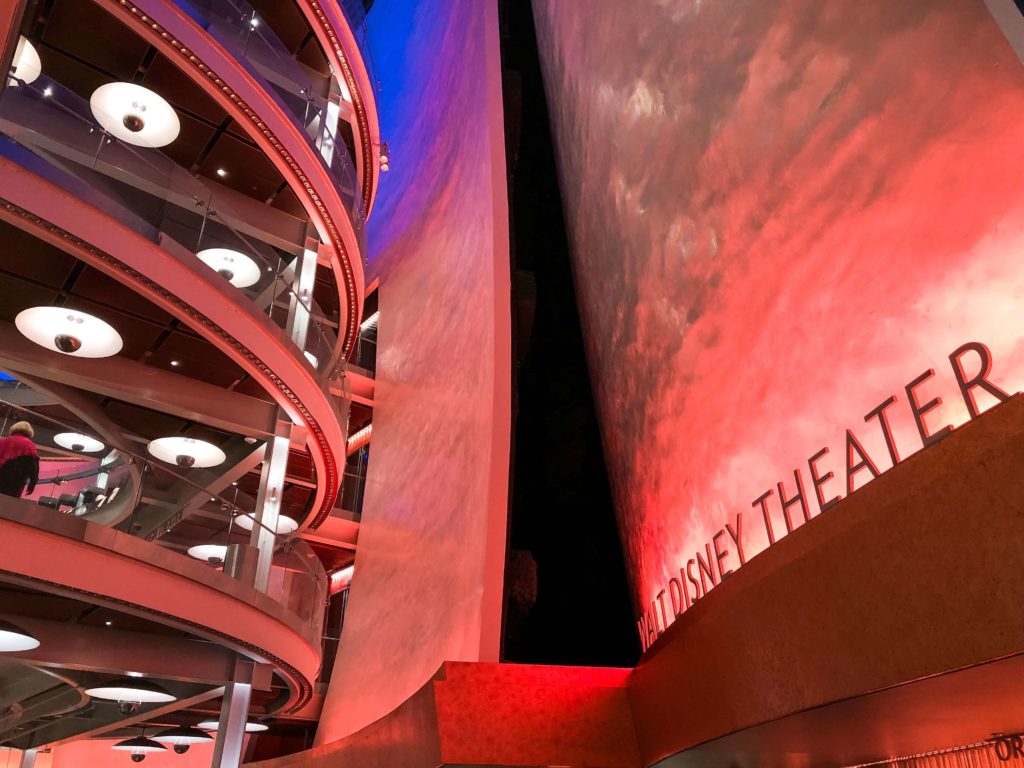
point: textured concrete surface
(427, 583)
(781, 213)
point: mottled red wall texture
(427, 581)
(781, 214)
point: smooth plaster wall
(780, 214)
(428, 572)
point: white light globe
(186, 452)
(134, 114)
(68, 331)
(285, 524)
(235, 266)
(74, 441)
(250, 727)
(13, 638)
(208, 552)
(27, 66)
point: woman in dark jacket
(19, 462)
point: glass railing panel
(175, 508)
(303, 92)
(147, 191)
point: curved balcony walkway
(184, 289)
(226, 80)
(339, 43)
(45, 549)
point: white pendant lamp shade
(78, 443)
(211, 553)
(183, 737)
(250, 727)
(27, 66)
(134, 114)
(237, 268)
(284, 523)
(13, 638)
(139, 745)
(131, 689)
(186, 452)
(68, 331)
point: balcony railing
(175, 508)
(147, 191)
(303, 92)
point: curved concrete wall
(427, 584)
(781, 214)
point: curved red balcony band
(171, 31)
(236, 328)
(105, 566)
(336, 38)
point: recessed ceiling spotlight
(27, 66)
(221, 172)
(108, 623)
(134, 114)
(78, 443)
(68, 331)
(13, 638)
(250, 727)
(186, 452)
(214, 554)
(285, 524)
(175, 363)
(234, 266)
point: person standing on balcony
(19, 461)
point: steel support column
(234, 712)
(268, 502)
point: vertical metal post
(268, 502)
(301, 300)
(28, 758)
(234, 712)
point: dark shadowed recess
(566, 600)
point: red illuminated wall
(781, 214)
(427, 582)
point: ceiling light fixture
(221, 172)
(214, 554)
(183, 737)
(139, 746)
(285, 524)
(134, 114)
(250, 727)
(237, 268)
(186, 452)
(78, 443)
(68, 331)
(13, 638)
(130, 693)
(27, 66)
